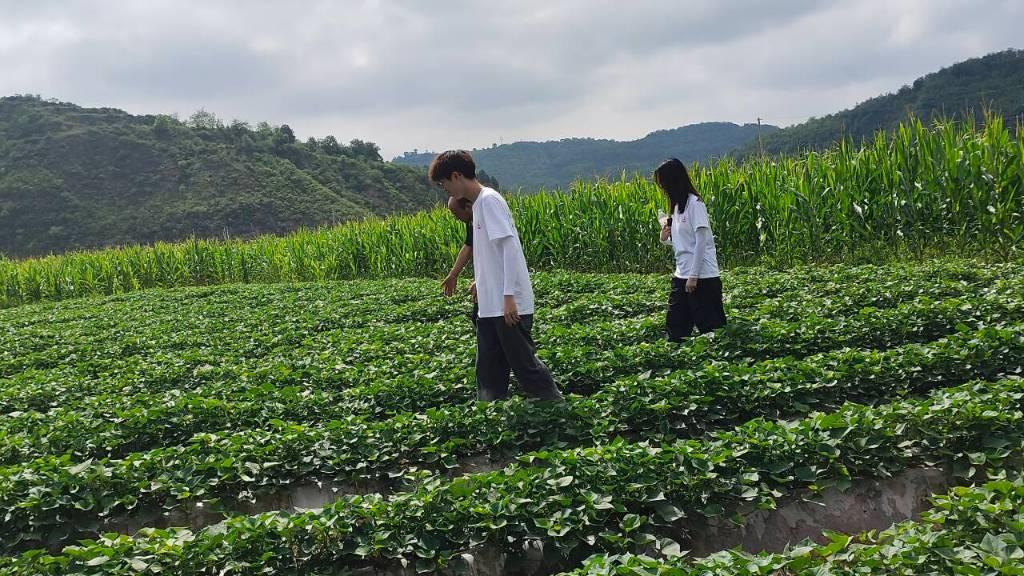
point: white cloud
(410, 74)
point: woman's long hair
(675, 183)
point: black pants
(502, 349)
(703, 308)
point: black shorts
(703, 309)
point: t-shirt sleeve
(469, 234)
(698, 214)
(497, 219)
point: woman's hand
(666, 232)
(691, 285)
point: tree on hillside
(162, 126)
(487, 180)
(238, 129)
(366, 150)
(204, 120)
(284, 136)
(265, 132)
(330, 145)
(247, 144)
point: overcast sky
(461, 74)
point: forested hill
(992, 83)
(76, 178)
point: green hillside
(74, 178)
(970, 88)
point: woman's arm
(703, 235)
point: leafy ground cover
(612, 498)
(168, 399)
(971, 530)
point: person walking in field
(504, 342)
(462, 209)
(696, 297)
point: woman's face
(657, 180)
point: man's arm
(512, 279)
(452, 280)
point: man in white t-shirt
(504, 293)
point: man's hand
(511, 311)
(449, 285)
(691, 285)
(472, 289)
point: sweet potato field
(170, 430)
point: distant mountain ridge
(533, 165)
(991, 83)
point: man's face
(459, 209)
(456, 186)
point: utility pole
(760, 146)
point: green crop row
(976, 530)
(257, 320)
(614, 498)
(114, 425)
(242, 342)
(65, 499)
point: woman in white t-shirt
(696, 298)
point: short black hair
(450, 162)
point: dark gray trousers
(501, 350)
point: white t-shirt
(684, 239)
(493, 233)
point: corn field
(949, 187)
